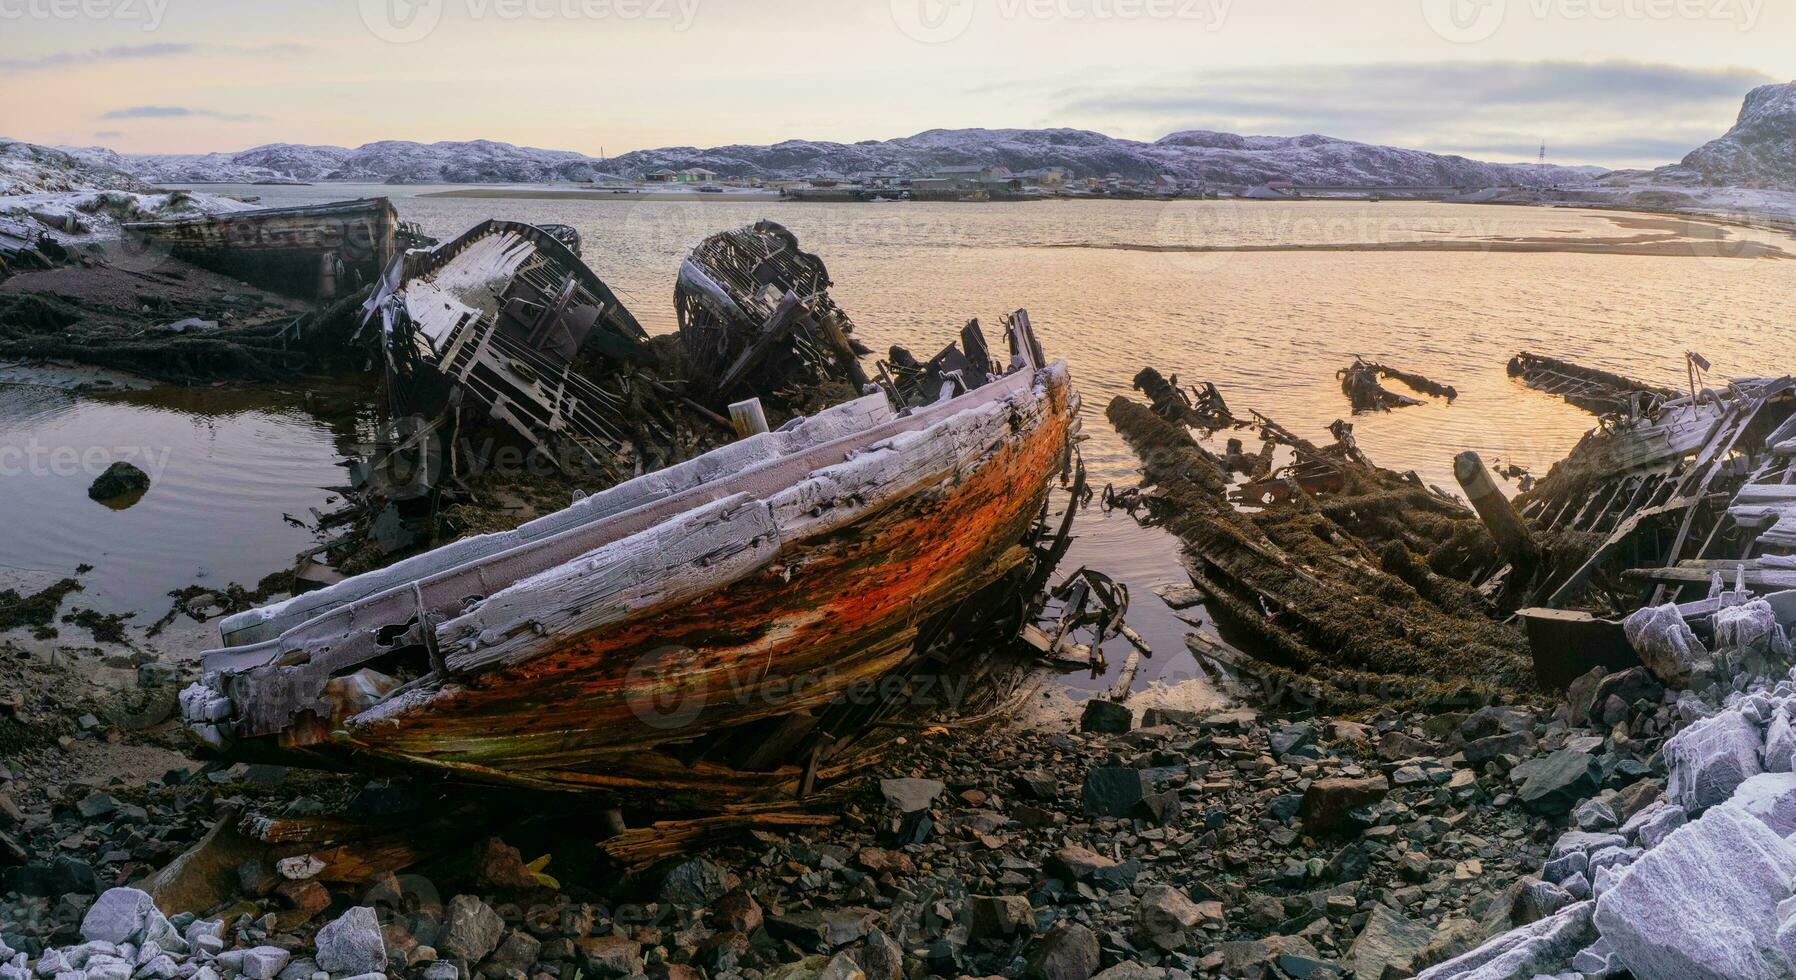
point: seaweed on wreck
(1333, 588)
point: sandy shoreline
(1581, 246)
(596, 195)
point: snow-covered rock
(1664, 643)
(1711, 758)
(1523, 952)
(1703, 904)
(352, 944)
(1769, 798)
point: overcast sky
(1611, 82)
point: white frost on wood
(724, 463)
(469, 286)
(705, 550)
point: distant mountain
(1218, 158)
(1759, 152)
(26, 168)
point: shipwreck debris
(755, 311)
(1361, 581)
(1596, 391)
(1360, 383)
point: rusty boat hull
(681, 650)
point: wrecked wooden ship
(1672, 522)
(692, 638)
(319, 251)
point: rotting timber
(1360, 582)
(685, 640)
(1677, 506)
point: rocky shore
(1235, 843)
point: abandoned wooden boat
(682, 640)
(501, 315)
(315, 251)
(745, 295)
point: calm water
(1270, 328)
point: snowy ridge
(1218, 158)
(1760, 151)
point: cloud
(134, 52)
(178, 112)
(122, 52)
(1620, 113)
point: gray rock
(1596, 960)
(1584, 842)
(911, 795)
(1665, 643)
(472, 930)
(1710, 759)
(1067, 952)
(1770, 798)
(1485, 749)
(1560, 868)
(1702, 905)
(1594, 815)
(1389, 939)
(352, 943)
(1540, 900)
(123, 915)
(1655, 823)
(1780, 744)
(1562, 779)
(697, 882)
(261, 963)
(441, 970)
(1523, 952)
(1106, 717)
(517, 954)
(1114, 791)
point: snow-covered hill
(26, 168)
(1220, 158)
(1759, 152)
